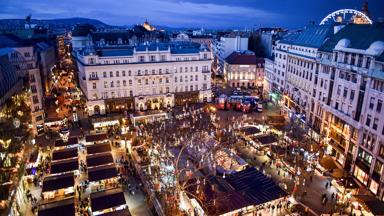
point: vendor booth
(60, 208)
(58, 186)
(109, 201)
(64, 154)
(58, 167)
(103, 177)
(98, 148)
(61, 144)
(99, 159)
(96, 138)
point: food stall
(103, 177)
(59, 186)
(109, 202)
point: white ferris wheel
(344, 16)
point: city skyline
(208, 14)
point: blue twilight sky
(189, 13)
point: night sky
(189, 13)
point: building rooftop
(354, 34)
(173, 47)
(237, 58)
(312, 36)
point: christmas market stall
(59, 208)
(103, 177)
(58, 186)
(109, 202)
(99, 159)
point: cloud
(132, 11)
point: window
(345, 93)
(160, 71)
(123, 73)
(360, 60)
(105, 84)
(131, 93)
(112, 85)
(130, 82)
(381, 149)
(94, 85)
(175, 78)
(196, 69)
(353, 56)
(27, 54)
(205, 56)
(33, 89)
(378, 167)
(153, 58)
(345, 58)
(205, 86)
(117, 74)
(162, 57)
(371, 103)
(205, 77)
(124, 83)
(368, 63)
(35, 99)
(104, 74)
(181, 78)
(375, 122)
(141, 58)
(129, 73)
(379, 105)
(167, 89)
(166, 80)
(338, 89)
(352, 95)
(191, 78)
(196, 78)
(118, 83)
(138, 72)
(146, 81)
(110, 74)
(368, 121)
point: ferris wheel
(346, 16)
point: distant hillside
(66, 23)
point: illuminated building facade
(144, 77)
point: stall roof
(64, 166)
(58, 182)
(71, 141)
(255, 187)
(102, 172)
(250, 130)
(122, 212)
(268, 139)
(98, 148)
(374, 205)
(107, 199)
(96, 137)
(60, 208)
(64, 154)
(99, 159)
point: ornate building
(151, 76)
